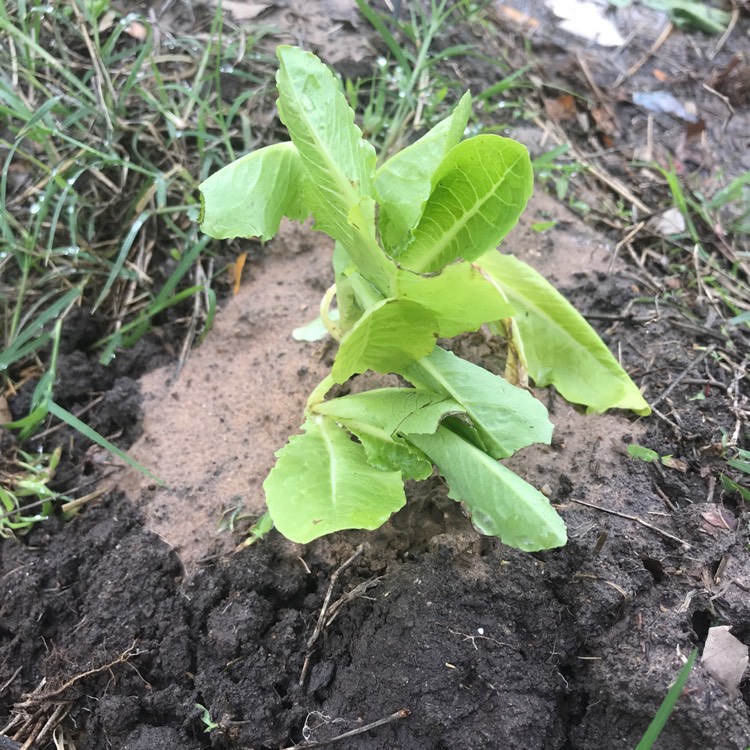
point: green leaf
(41, 398)
(693, 14)
(29, 424)
(404, 182)
(389, 336)
(730, 485)
(393, 409)
(70, 419)
(389, 452)
(339, 163)
(321, 124)
(642, 453)
(506, 417)
(248, 197)
(460, 298)
(32, 336)
(479, 191)
(259, 530)
(741, 463)
(377, 417)
(561, 348)
(323, 482)
(500, 502)
(315, 330)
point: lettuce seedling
(415, 261)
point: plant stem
(318, 394)
(366, 294)
(325, 304)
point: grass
(716, 238)
(24, 487)
(109, 125)
(408, 88)
(105, 144)
(415, 83)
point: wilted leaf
(725, 658)
(560, 347)
(720, 518)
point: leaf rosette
(415, 261)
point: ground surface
(126, 618)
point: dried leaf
(725, 658)
(137, 30)
(720, 518)
(603, 117)
(516, 17)
(668, 223)
(733, 80)
(5, 415)
(107, 21)
(562, 108)
(236, 272)
(586, 20)
(674, 463)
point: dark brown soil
(482, 646)
(487, 647)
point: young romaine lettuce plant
(415, 261)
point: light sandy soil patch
(212, 434)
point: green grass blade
(377, 23)
(23, 39)
(73, 421)
(25, 343)
(667, 705)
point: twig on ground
(41, 712)
(665, 32)
(37, 697)
(475, 638)
(708, 350)
(698, 329)
(604, 101)
(60, 712)
(9, 681)
(81, 501)
(706, 382)
(624, 242)
(727, 33)
(319, 626)
(637, 519)
(618, 186)
(664, 418)
(349, 596)
(400, 714)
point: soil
(123, 625)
